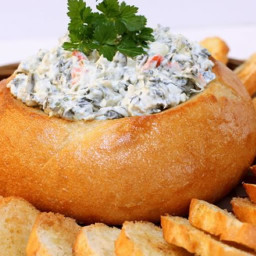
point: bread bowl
(133, 168)
(140, 139)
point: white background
(27, 25)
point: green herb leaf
(107, 51)
(129, 48)
(117, 27)
(69, 46)
(127, 10)
(105, 34)
(120, 27)
(109, 7)
(75, 7)
(146, 34)
(86, 14)
(134, 23)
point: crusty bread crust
(217, 47)
(96, 240)
(52, 232)
(17, 217)
(250, 191)
(247, 74)
(222, 224)
(254, 102)
(134, 168)
(143, 239)
(244, 209)
(178, 231)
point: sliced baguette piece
(180, 232)
(250, 191)
(17, 217)
(52, 235)
(253, 167)
(218, 222)
(217, 47)
(244, 209)
(96, 240)
(145, 239)
(247, 74)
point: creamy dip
(78, 87)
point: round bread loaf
(130, 168)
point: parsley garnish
(116, 27)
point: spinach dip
(78, 87)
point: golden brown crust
(130, 168)
(144, 238)
(244, 209)
(254, 102)
(17, 217)
(217, 47)
(250, 191)
(124, 246)
(220, 223)
(247, 73)
(178, 231)
(96, 240)
(64, 229)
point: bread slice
(253, 167)
(52, 235)
(180, 232)
(251, 191)
(218, 222)
(247, 74)
(145, 239)
(17, 217)
(244, 209)
(96, 240)
(217, 47)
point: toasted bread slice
(144, 239)
(217, 47)
(96, 240)
(218, 222)
(247, 74)
(251, 191)
(52, 235)
(253, 167)
(244, 209)
(17, 217)
(180, 232)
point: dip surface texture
(78, 87)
